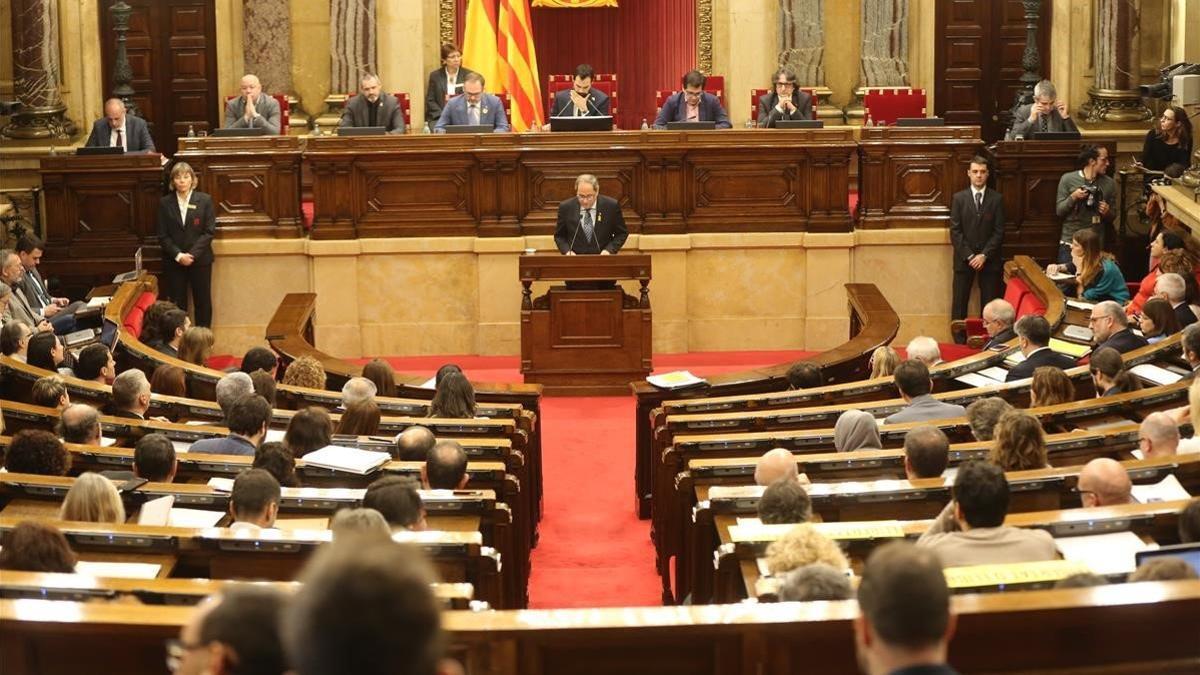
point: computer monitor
(239, 131)
(800, 124)
(469, 128)
(1056, 136)
(361, 131)
(691, 126)
(920, 122)
(102, 150)
(1189, 553)
(573, 123)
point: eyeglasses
(176, 650)
(693, 94)
(586, 198)
(785, 84)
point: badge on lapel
(196, 221)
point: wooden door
(977, 60)
(172, 50)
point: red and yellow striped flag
(518, 64)
(479, 43)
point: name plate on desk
(982, 576)
(847, 531)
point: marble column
(36, 73)
(884, 60)
(267, 48)
(802, 48)
(1116, 34)
(352, 52)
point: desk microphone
(593, 106)
(578, 227)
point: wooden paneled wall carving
(907, 175)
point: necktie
(473, 114)
(978, 202)
(1043, 122)
(588, 228)
(120, 141)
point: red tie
(120, 141)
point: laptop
(1056, 136)
(691, 126)
(469, 128)
(800, 124)
(361, 131)
(135, 272)
(246, 131)
(573, 123)
(920, 122)
(1189, 553)
(102, 150)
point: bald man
(1158, 436)
(117, 129)
(1104, 482)
(776, 465)
(253, 108)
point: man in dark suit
(60, 312)
(1170, 287)
(589, 222)
(976, 232)
(1033, 338)
(581, 100)
(1048, 112)
(117, 129)
(373, 108)
(130, 395)
(998, 318)
(786, 102)
(693, 104)
(1110, 328)
(253, 109)
(247, 420)
(473, 107)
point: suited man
(60, 312)
(1033, 339)
(19, 308)
(474, 106)
(186, 226)
(581, 100)
(444, 82)
(1110, 328)
(693, 104)
(373, 108)
(247, 420)
(1046, 113)
(976, 232)
(590, 222)
(998, 318)
(786, 102)
(118, 129)
(130, 395)
(914, 384)
(253, 108)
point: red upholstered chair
(756, 94)
(713, 84)
(405, 108)
(885, 106)
(285, 112)
(605, 82)
(1015, 291)
(1030, 304)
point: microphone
(571, 246)
(593, 106)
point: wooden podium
(585, 338)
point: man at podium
(589, 222)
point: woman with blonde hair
(1019, 443)
(196, 345)
(305, 372)
(883, 361)
(186, 225)
(804, 545)
(93, 499)
(1050, 386)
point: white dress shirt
(112, 136)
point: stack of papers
(1165, 490)
(1080, 304)
(221, 484)
(675, 380)
(1104, 554)
(350, 460)
(1156, 374)
(118, 569)
(99, 301)
(1081, 333)
(1069, 348)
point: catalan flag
(479, 43)
(518, 64)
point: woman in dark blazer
(187, 224)
(439, 82)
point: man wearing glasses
(693, 104)
(1110, 328)
(589, 222)
(786, 102)
(233, 631)
(998, 317)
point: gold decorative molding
(704, 36)
(446, 21)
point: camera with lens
(1162, 88)
(1093, 195)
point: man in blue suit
(119, 129)
(693, 104)
(473, 106)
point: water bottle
(869, 122)
(645, 126)
(316, 128)
(191, 131)
(425, 129)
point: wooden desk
(585, 341)
(908, 175)
(99, 210)
(254, 182)
(667, 182)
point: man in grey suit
(786, 102)
(19, 308)
(1046, 113)
(976, 232)
(253, 109)
(60, 312)
(372, 107)
(912, 379)
(117, 129)
(473, 107)
(247, 422)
